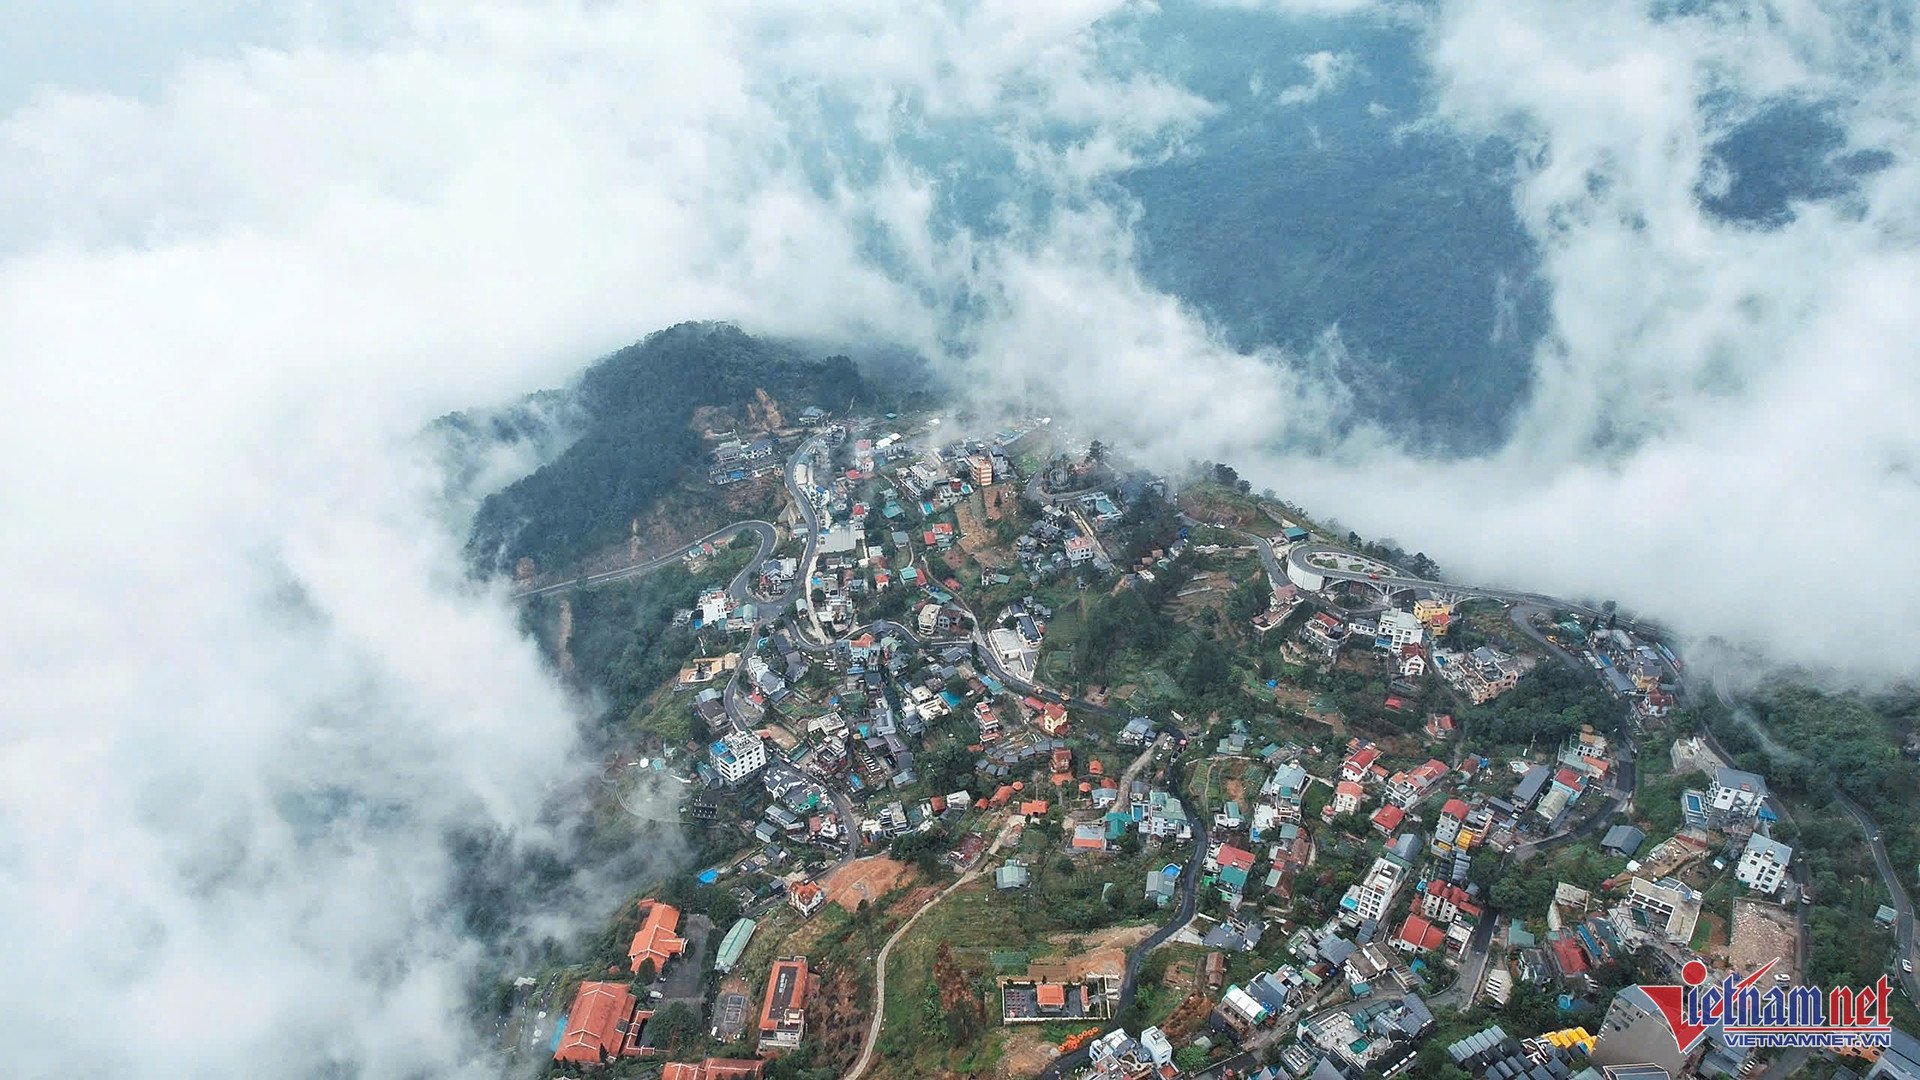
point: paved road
(1183, 914)
(739, 587)
(1399, 579)
(1902, 903)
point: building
(980, 468)
(1347, 797)
(1899, 1061)
(1397, 629)
(601, 1025)
(1387, 819)
(1446, 828)
(734, 945)
(1079, 549)
(1635, 1033)
(783, 1019)
(656, 940)
(806, 897)
(738, 755)
(1371, 896)
(1670, 908)
(1735, 796)
(1763, 865)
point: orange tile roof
(1050, 996)
(656, 939)
(597, 1023)
(785, 993)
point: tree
(1190, 1059)
(646, 972)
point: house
(1417, 935)
(1089, 838)
(1407, 788)
(1763, 865)
(1234, 865)
(657, 939)
(1347, 797)
(1079, 549)
(1397, 629)
(1623, 840)
(1161, 887)
(601, 1025)
(1324, 632)
(1359, 765)
(783, 1018)
(1138, 732)
(1387, 819)
(1527, 791)
(806, 897)
(1011, 875)
(1444, 903)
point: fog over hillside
(1611, 298)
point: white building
(1763, 866)
(1398, 628)
(1079, 549)
(738, 756)
(1157, 1046)
(1735, 796)
(1371, 896)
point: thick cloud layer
(249, 688)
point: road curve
(1299, 554)
(1189, 903)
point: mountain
(635, 413)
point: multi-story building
(1763, 865)
(1398, 628)
(1735, 796)
(1371, 896)
(1672, 908)
(783, 1019)
(1347, 798)
(738, 755)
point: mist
(252, 688)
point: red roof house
(656, 939)
(600, 1025)
(1388, 818)
(1416, 934)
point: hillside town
(1372, 823)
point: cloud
(1326, 72)
(250, 690)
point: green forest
(636, 440)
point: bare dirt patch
(977, 540)
(1763, 932)
(866, 879)
(1027, 1054)
(1103, 952)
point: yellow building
(1434, 614)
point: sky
(246, 258)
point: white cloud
(249, 688)
(1326, 72)
(230, 304)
